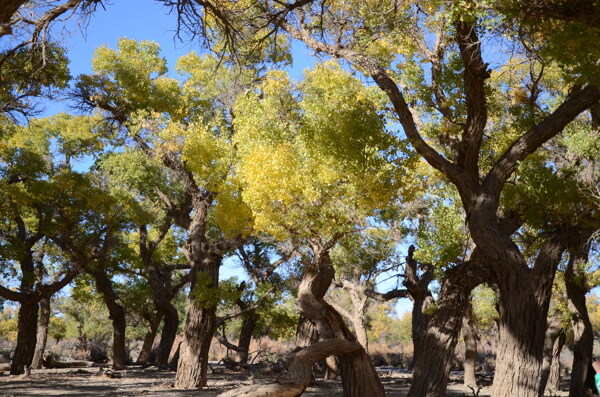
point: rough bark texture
(432, 365)
(358, 375)
(418, 288)
(167, 336)
(117, 318)
(522, 289)
(553, 384)
(551, 343)
(201, 316)
(583, 336)
(471, 338)
(26, 337)
(42, 333)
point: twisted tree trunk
(358, 375)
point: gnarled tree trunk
(358, 375)
(42, 333)
(432, 365)
(553, 334)
(201, 322)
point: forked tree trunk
(146, 349)
(471, 339)
(117, 317)
(26, 337)
(201, 323)
(358, 375)
(432, 366)
(583, 336)
(42, 333)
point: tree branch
(552, 125)
(475, 74)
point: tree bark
(580, 321)
(117, 317)
(300, 370)
(358, 375)
(168, 334)
(42, 333)
(553, 333)
(26, 336)
(471, 339)
(553, 384)
(248, 325)
(201, 322)
(146, 349)
(432, 365)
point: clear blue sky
(149, 20)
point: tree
(150, 193)
(187, 129)
(37, 182)
(314, 167)
(454, 101)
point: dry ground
(151, 382)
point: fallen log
(50, 363)
(300, 370)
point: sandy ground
(152, 382)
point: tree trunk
(26, 337)
(146, 349)
(432, 365)
(358, 375)
(162, 300)
(553, 384)
(201, 322)
(553, 332)
(117, 317)
(248, 325)
(522, 327)
(361, 332)
(42, 333)
(583, 336)
(300, 370)
(167, 337)
(470, 338)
